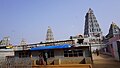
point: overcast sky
(29, 19)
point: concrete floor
(65, 66)
(104, 61)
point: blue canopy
(51, 47)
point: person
(94, 51)
(45, 57)
(41, 59)
(97, 51)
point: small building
(58, 54)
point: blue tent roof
(51, 47)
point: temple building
(112, 41)
(92, 30)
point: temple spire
(5, 41)
(114, 30)
(92, 30)
(90, 10)
(92, 27)
(23, 42)
(49, 35)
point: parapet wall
(69, 60)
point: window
(90, 30)
(96, 25)
(97, 30)
(94, 30)
(93, 40)
(22, 55)
(116, 30)
(50, 54)
(94, 20)
(65, 53)
(73, 53)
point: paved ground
(104, 61)
(64, 66)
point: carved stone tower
(5, 41)
(92, 27)
(92, 30)
(49, 35)
(114, 30)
